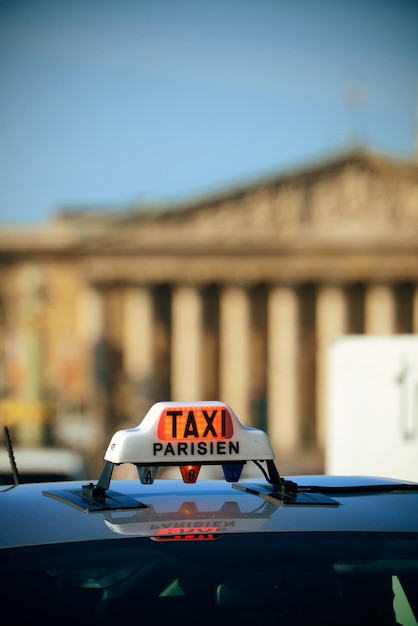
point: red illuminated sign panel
(195, 423)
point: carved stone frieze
(357, 199)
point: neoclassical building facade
(235, 296)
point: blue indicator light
(232, 471)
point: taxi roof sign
(176, 433)
(187, 435)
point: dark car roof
(189, 437)
(34, 514)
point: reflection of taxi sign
(187, 521)
(189, 435)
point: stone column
(186, 347)
(379, 310)
(415, 310)
(30, 282)
(331, 322)
(91, 322)
(234, 330)
(282, 368)
(138, 345)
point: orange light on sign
(190, 473)
(195, 423)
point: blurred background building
(234, 296)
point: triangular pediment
(356, 186)
(351, 195)
(354, 197)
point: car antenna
(9, 447)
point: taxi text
(195, 423)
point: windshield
(285, 578)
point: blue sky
(125, 103)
